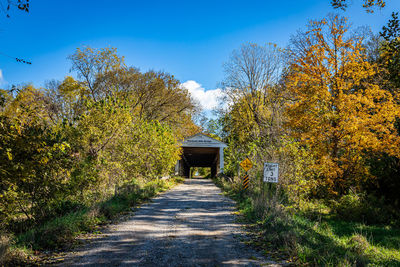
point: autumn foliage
(331, 121)
(80, 139)
(337, 110)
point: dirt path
(191, 225)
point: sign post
(245, 181)
(246, 165)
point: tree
(65, 101)
(390, 52)
(150, 96)
(34, 157)
(337, 110)
(386, 167)
(22, 5)
(90, 64)
(252, 124)
(368, 4)
(251, 83)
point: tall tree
(150, 96)
(251, 83)
(90, 64)
(337, 111)
(251, 123)
(387, 167)
(390, 52)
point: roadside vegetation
(79, 151)
(61, 232)
(327, 109)
(315, 233)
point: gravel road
(190, 225)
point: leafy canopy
(338, 111)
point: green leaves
(80, 139)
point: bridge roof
(202, 140)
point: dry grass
(4, 247)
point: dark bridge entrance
(201, 151)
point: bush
(279, 229)
(110, 209)
(60, 208)
(11, 256)
(61, 231)
(309, 235)
(363, 208)
(274, 225)
(153, 187)
(349, 207)
(358, 244)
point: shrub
(363, 208)
(11, 256)
(60, 208)
(4, 246)
(279, 228)
(61, 231)
(358, 244)
(349, 207)
(110, 209)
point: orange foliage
(338, 112)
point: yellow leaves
(9, 155)
(70, 88)
(339, 113)
(44, 160)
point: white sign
(200, 140)
(271, 172)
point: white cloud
(207, 99)
(1, 77)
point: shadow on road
(191, 225)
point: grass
(332, 242)
(315, 238)
(61, 232)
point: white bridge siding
(201, 151)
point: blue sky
(190, 39)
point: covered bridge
(201, 150)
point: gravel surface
(190, 225)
